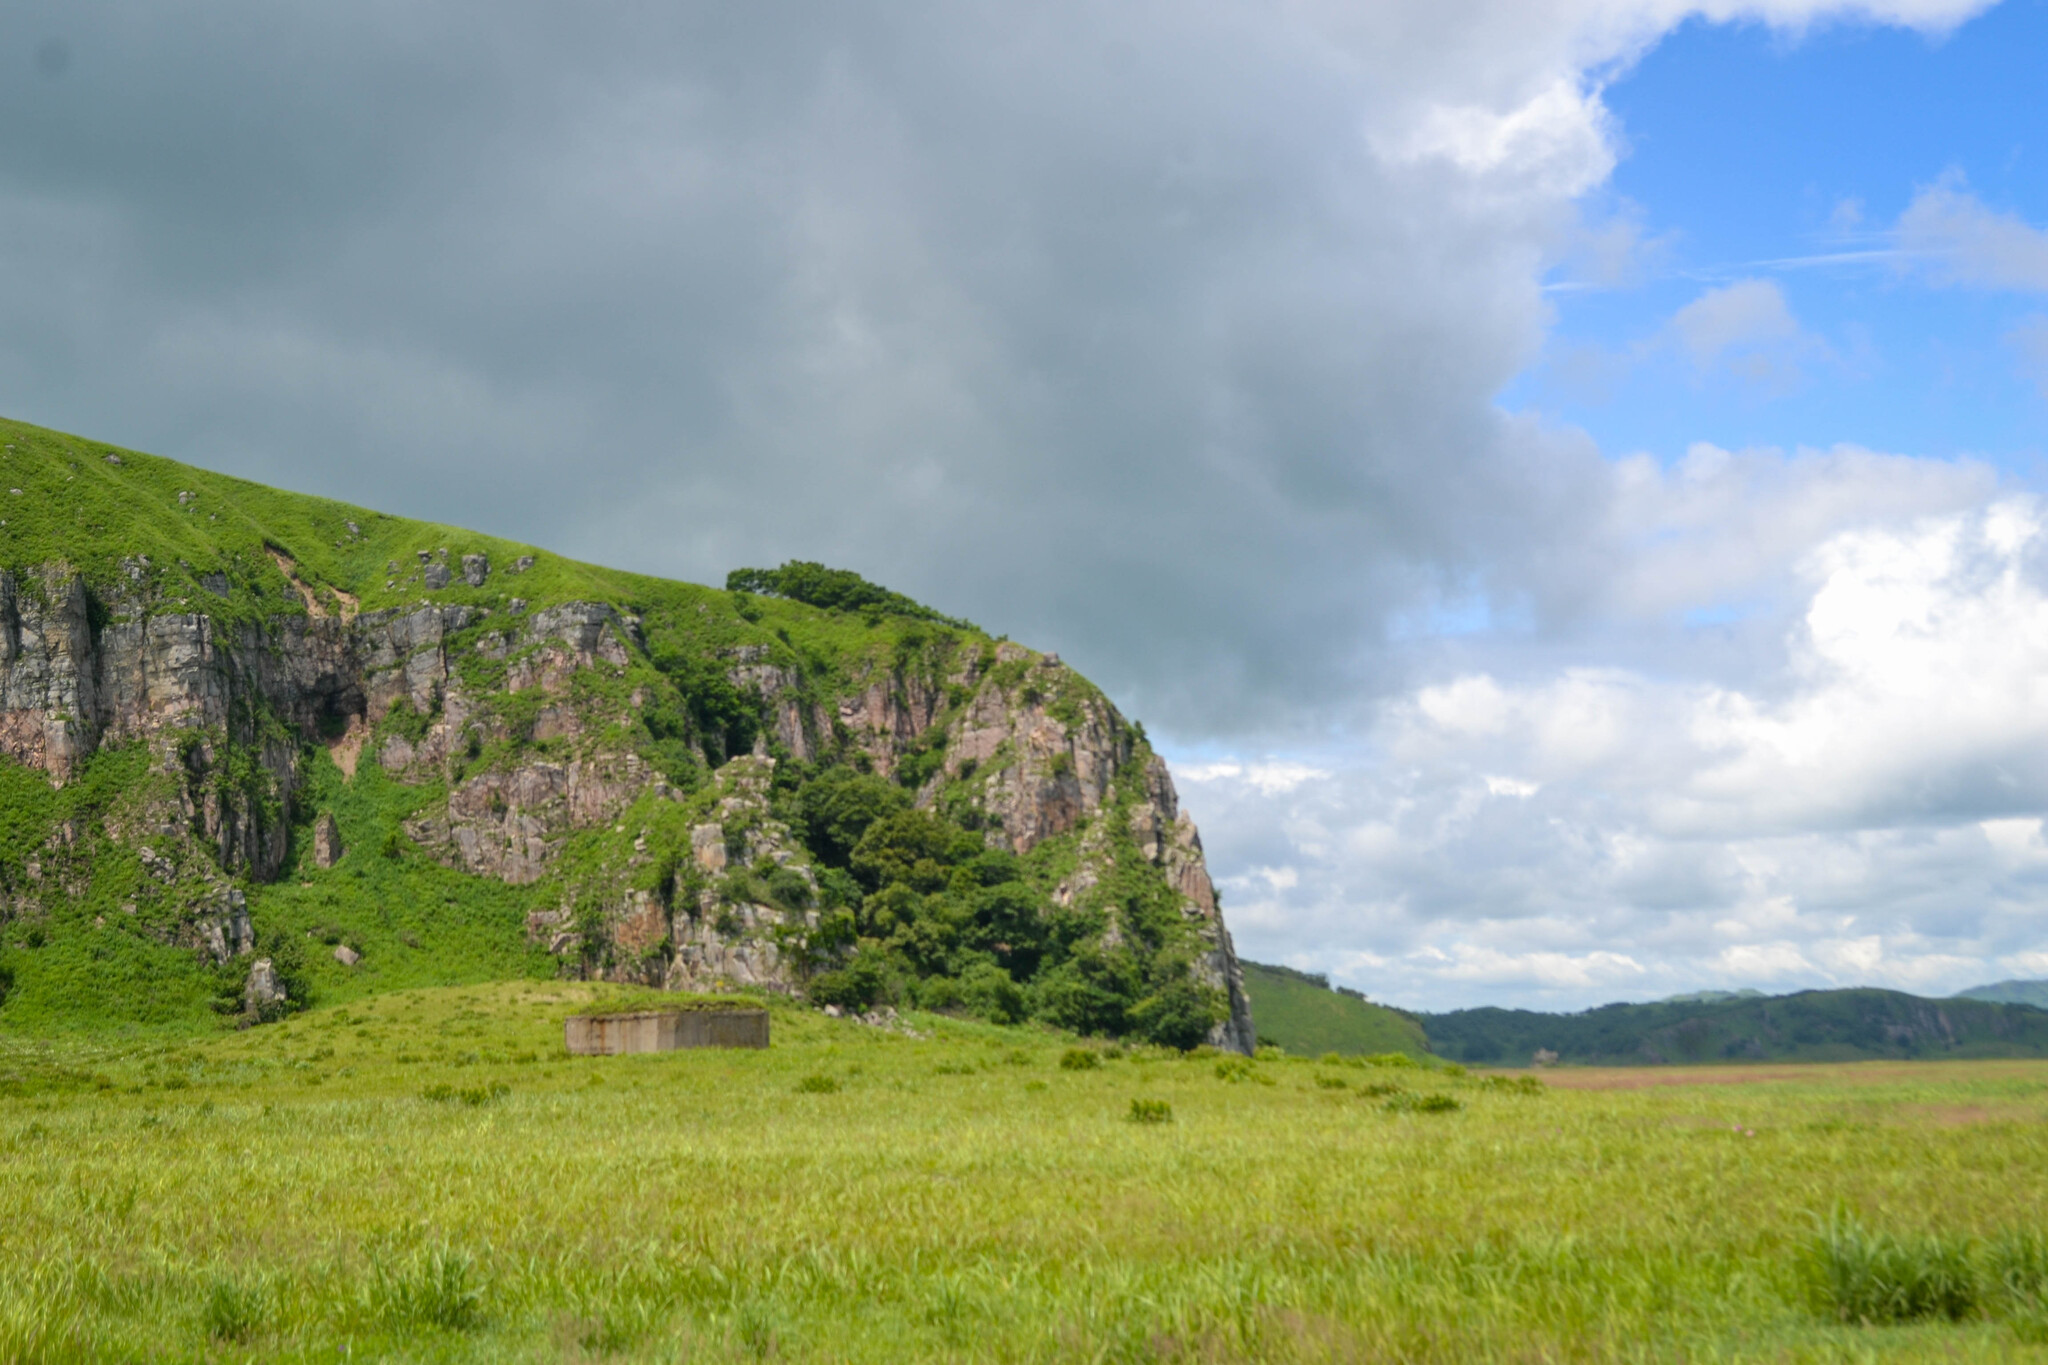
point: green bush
(1180, 1013)
(1080, 1059)
(817, 1085)
(988, 991)
(859, 985)
(1393, 1059)
(1868, 1277)
(1151, 1111)
(838, 806)
(1422, 1104)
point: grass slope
(1300, 1013)
(428, 1177)
(1811, 1026)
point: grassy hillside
(428, 1176)
(888, 881)
(1299, 1012)
(2033, 993)
(1812, 1026)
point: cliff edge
(245, 726)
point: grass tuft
(1870, 1277)
(440, 1287)
(234, 1311)
(1151, 1111)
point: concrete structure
(604, 1035)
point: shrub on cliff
(809, 582)
(839, 805)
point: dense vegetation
(1300, 1012)
(426, 1175)
(1809, 1026)
(803, 580)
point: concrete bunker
(607, 1035)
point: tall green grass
(301, 1191)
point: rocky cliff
(678, 786)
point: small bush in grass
(1870, 1277)
(1512, 1085)
(1333, 1083)
(233, 1312)
(439, 1288)
(1394, 1059)
(1151, 1111)
(1376, 1089)
(817, 1085)
(1080, 1059)
(1237, 1069)
(1422, 1104)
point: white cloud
(1862, 808)
(1964, 242)
(1747, 330)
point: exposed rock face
(1027, 749)
(326, 841)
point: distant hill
(2033, 993)
(1302, 1013)
(1811, 1026)
(1711, 997)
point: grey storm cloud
(1115, 327)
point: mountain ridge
(1855, 1023)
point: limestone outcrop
(533, 720)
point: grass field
(427, 1175)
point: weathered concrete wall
(608, 1035)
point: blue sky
(1752, 154)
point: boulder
(346, 956)
(263, 990)
(435, 576)
(327, 848)
(475, 569)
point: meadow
(427, 1175)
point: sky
(1560, 479)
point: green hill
(259, 749)
(1811, 1026)
(2033, 993)
(1300, 1012)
